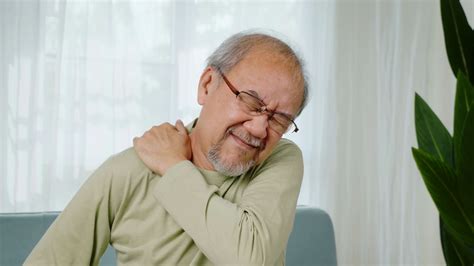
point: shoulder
(126, 161)
(118, 178)
(287, 146)
(285, 150)
(123, 169)
(286, 158)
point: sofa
(311, 241)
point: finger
(167, 125)
(157, 130)
(180, 127)
(136, 142)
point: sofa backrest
(311, 241)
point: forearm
(253, 231)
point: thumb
(180, 127)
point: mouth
(242, 143)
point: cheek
(225, 110)
(220, 122)
(231, 116)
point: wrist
(170, 163)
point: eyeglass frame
(263, 105)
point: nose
(257, 126)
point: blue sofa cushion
(311, 242)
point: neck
(199, 158)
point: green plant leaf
(465, 165)
(437, 177)
(464, 98)
(431, 134)
(454, 252)
(459, 38)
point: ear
(207, 84)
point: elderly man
(222, 191)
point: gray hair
(234, 49)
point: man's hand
(163, 146)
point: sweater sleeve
(253, 231)
(81, 233)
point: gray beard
(227, 168)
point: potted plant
(446, 162)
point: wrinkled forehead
(272, 77)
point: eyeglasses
(252, 105)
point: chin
(233, 169)
(229, 163)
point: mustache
(246, 137)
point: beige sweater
(188, 216)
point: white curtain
(80, 79)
